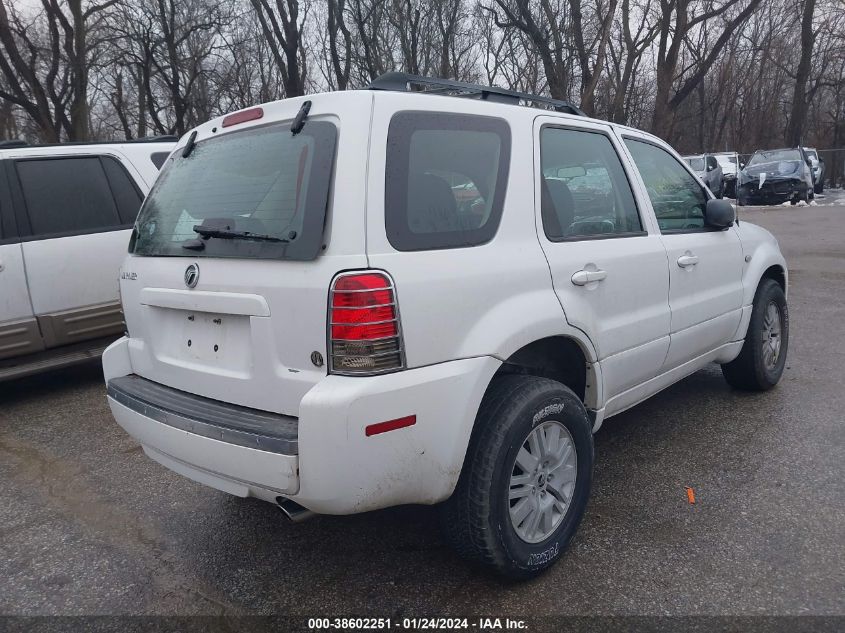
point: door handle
(583, 277)
(685, 261)
(1, 266)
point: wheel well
(775, 272)
(556, 357)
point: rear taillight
(365, 336)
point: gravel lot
(89, 525)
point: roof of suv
(149, 145)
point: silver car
(708, 169)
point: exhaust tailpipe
(292, 510)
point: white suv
(66, 213)
(362, 299)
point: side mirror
(719, 214)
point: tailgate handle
(205, 301)
(583, 277)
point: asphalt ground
(90, 525)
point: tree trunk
(78, 62)
(798, 114)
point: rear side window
(158, 158)
(125, 192)
(584, 192)
(67, 195)
(446, 176)
(677, 198)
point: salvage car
(66, 214)
(709, 170)
(775, 176)
(729, 162)
(319, 316)
(817, 164)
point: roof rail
(14, 142)
(403, 82)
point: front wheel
(760, 364)
(526, 478)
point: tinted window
(158, 158)
(584, 191)
(676, 197)
(262, 181)
(123, 189)
(67, 195)
(696, 164)
(445, 179)
(5, 205)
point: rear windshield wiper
(207, 231)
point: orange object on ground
(690, 495)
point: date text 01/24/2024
(416, 624)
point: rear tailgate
(246, 332)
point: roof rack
(403, 82)
(165, 138)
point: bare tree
(676, 23)
(798, 113)
(282, 26)
(340, 43)
(45, 65)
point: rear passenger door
(74, 213)
(18, 329)
(608, 265)
(705, 264)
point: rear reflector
(364, 329)
(243, 116)
(390, 425)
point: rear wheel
(760, 364)
(526, 477)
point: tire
(476, 519)
(818, 187)
(753, 370)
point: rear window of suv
(263, 183)
(445, 179)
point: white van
(355, 300)
(66, 213)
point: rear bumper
(338, 469)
